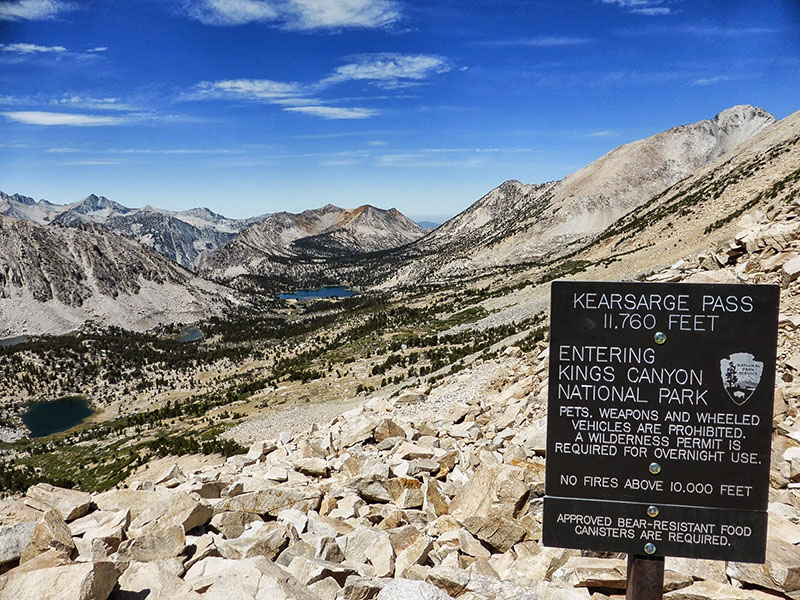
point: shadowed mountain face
(284, 242)
(53, 278)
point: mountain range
(190, 237)
(516, 225)
(97, 260)
(181, 236)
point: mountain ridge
(183, 236)
(179, 235)
(308, 237)
(538, 222)
(55, 278)
(503, 232)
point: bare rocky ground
(483, 379)
(428, 495)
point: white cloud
(703, 81)
(31, 48)
(90, 103)
(251, 89)
(230, 12)
(98, 49)
(69, 102)
(35, 117)
(176, 151)
(603, 133)
(295, 14)
(340, 162)
(91, 163)
(545, 41)
(334, 112)
(63, 150)
(722, 31)
(653, 12)
(385, 70)
(651, 8)
(339, 14)
(261, 90)
(32, 10)
(417, 160)
(389, 69)
(699, 30)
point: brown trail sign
(660, 420)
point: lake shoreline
(189, 334)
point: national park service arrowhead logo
(741, 374)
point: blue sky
(253, 106)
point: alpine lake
(190, 334)
(337, 291)
(55, 416)
(13, 341)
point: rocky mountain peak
(742, 113)
(18, 198)
(94, 203)
(510, 184)
(736, 125)
(519, 222)
(351, 215)
(202, 212)
(328, 232)
(26, 208)
(180, 236)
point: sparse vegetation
(776, 188)
(563, 269)
(372, 340)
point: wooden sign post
(660, 422)
(645, 578)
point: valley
(317, 352)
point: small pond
(13, 341)
(338, 291)
(45, 418)
(190, 334)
